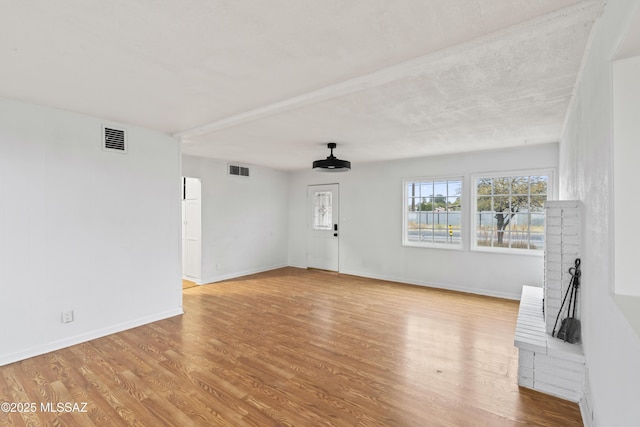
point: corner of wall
(586, 408)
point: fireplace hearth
(545, 363)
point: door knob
(335, 234)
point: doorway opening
(191, 231)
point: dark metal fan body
(332, 163)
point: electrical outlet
(67, 316)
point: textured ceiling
(270, 83)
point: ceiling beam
(383, 76)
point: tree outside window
(509, 211)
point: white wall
(626, 152)
(611, 347)
(371, 224)
(244, 219)
(82, 229)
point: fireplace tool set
(570, 327)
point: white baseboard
(5, 359)
(585, 404)
(299, 266)
(234, 275)
(485, 292)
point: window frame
(550, 173)
(463, 200)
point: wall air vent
(238, 170)
(114, 139)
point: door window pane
(322, 213)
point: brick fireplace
(545, 363)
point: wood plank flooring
(295, 347)
(186, 284)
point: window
(433, 212)
(322, 210)
(509, 211)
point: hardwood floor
(295, 347)
(186, 284)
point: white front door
(191, 257)
(323, 229)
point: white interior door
(191, 232)
(323, 231)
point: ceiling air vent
(114, 139)
(238, 170)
